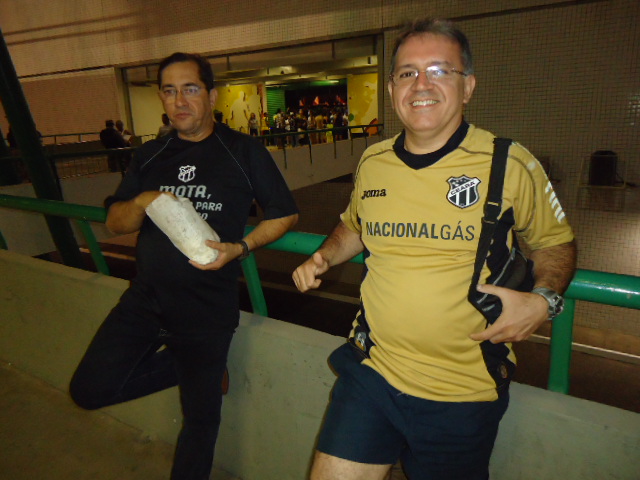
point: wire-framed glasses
(435, 74)
(170, 93)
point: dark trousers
(125, 360)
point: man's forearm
(127, 216)
(555, 266)
(268, 231)
(341, 245)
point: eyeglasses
(170, 93)
(435, 74)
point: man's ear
(213, 96)
(469, 87)
(390, 88)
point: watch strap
(553, 298)
(245, 250)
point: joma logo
(374, 193)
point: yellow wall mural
(237, 102)
(362, 92)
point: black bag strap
(492, 208)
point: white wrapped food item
(186, 229)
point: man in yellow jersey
(425, 376)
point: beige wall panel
(58, 36)
(115, 32)
(78, 102)
(396, 12)
(146, 109)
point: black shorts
(369, 421)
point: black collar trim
(417, 161)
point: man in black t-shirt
(191, 309)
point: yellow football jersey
(420, 228)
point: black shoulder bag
(517, 273)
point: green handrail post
(254, 285)
(94, 247)
(294, 242)
(560, 349)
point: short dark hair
(109, 123)
(435, 26)
(205, 72)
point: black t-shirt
(221, 175)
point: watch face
(555, 300)
(559, 306)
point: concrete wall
(280, 385)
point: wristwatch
(556, 301)
(245, 250)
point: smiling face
(191, 116)
(430, 111)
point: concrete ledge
(280, 386)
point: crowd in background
(302, 126)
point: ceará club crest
(463, 191)
(187, 173)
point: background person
(253, 125)
(126, 134)
(112, 139)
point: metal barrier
(76, 137)
(593, 286)
(93, 161)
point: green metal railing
(82, 214)
(588, 285)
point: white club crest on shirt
(187, 173)
(463, 191)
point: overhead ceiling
(328, 60)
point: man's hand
(522, 314)
(265, 232)
(127, 216)
(305, 276)
(144, 199)
(226, 253)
